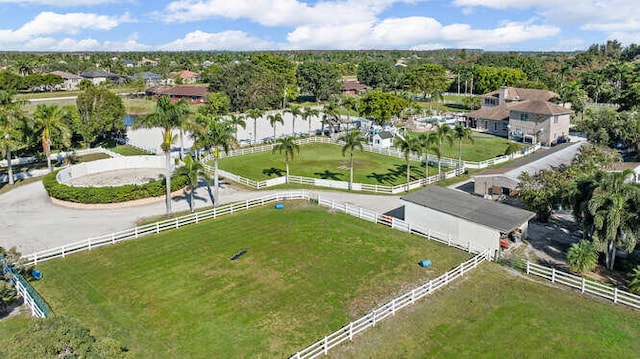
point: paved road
(32, 223)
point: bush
(581, 257)
(109, 194)
(634, 280)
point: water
(128, 119)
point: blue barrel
(279, 206)
(36, 274)
(425, 263)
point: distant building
(352, 88)
(382, 139)
(522, 115)
(150, 79)
(98, 77)
(191, 94)
(188, 77)
(70, 81)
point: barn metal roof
(475, 209)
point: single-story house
(352, 88)
(149, 78)
(191, 94)
(382, 139)
(188, 77)
(468, 219)
(523, 115)
(70, 81)
(621, 166)
(100, 76)
(504, 180)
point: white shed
(466, 217)
(383, 139)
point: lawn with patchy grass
(308, 271)
(495, 313)
(484, 147)
(325, 161)
(127, 150)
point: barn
(468, 218)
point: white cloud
(61, 2)
(48, 23)
(69, 44)
(509, 34)
(225, 40)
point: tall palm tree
(166, 116)
(13, 128)
(461, 133)
(255, 114)
(218, 135)
(330, 115)
(237, 121)
(274, 119)
(349, 103)
(287, 145)
(614, 210)
(295, 111)
(307, 113)
(50, 119)
(194, 170)
(408, 146)
(444, 134)
(352, 140)
(185, 123)
(428, 141)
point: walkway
(32, 223)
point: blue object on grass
(279, 206)
(425, 263)
(36, 274)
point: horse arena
(117, 171)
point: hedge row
(117, 194)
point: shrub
(581, 257)
(109, 194)
(634, 282)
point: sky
(241, 25)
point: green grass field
(325, 161)
(497, 314)
(484, 147)
(127, 150)
(307, 272)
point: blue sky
(139, 25)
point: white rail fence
(346, 333)
(584, 285)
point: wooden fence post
(351, 331)
(157, 227)
(196, 217)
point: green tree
(289, 146)
(307, 114)
(352, 140)
(634, 280)
(330, 116)
(13, 128)
(428, 79)
(543, 190)
(410, 145)
(511, 148)
(378, 75)
(295, 112)
(428, 141)
(491, 78)
(614, 209)
(581, 257)
(461, 133)
(217, 104)
(218, 134)
(249, 85)
(193, 170)
(350, 104)
(274, 120)
(50, 120)
(320, 79)
(100, 114)
(444, 133)
(237, 121)
(381, 106)
(255, 114)
(166, 116)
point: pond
(128, 119)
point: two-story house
(69, 81)
(523, 115)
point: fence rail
(30, 296)
(584, 285)
(346, 333)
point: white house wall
(463, 230)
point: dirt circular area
(122, 177)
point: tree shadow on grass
(329, 175)
(273, 172)
(399, 172)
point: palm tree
(255, 114)
(330, 115)
(287, 145)
(274, 119)
(295, 112)
(218, 134)
(512, 148)
(349, 103)
(581, 257)
(352, 140)
(408, 146)
(185, 123)
(461, 133)
(307, 113)
(193, 170)
(49, 119)
(237, 121)
(613, 207)
(444, 133)
(13, 128)
(167, 116)
(428, 141)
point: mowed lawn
(325, 161)
(308, 271)
(497, 314)
(484, 147)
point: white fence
(66, 175)
(584, 285)
(346, 333)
